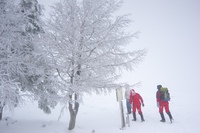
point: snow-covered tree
(21, 62)
(32, 11)
(86, 44)
(36, 78)
(9, 33)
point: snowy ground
(101, 113)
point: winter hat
(159, 86)
(133, 92)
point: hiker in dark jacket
(162, 104)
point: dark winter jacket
(158, 97)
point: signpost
(119, 95)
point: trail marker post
(119, 95)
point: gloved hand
(143, 104)
(158, 105)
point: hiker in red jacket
(162, 104)
(136, 101)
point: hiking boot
(134, 117)
(170, 116)
(142, 118)
(171, 120)
(162, 120)
(162, 117)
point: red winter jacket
(136, 99)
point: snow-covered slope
(101, 113)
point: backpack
(165, 96)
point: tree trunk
(1, 112)
(73, 112)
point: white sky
(170, 30)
